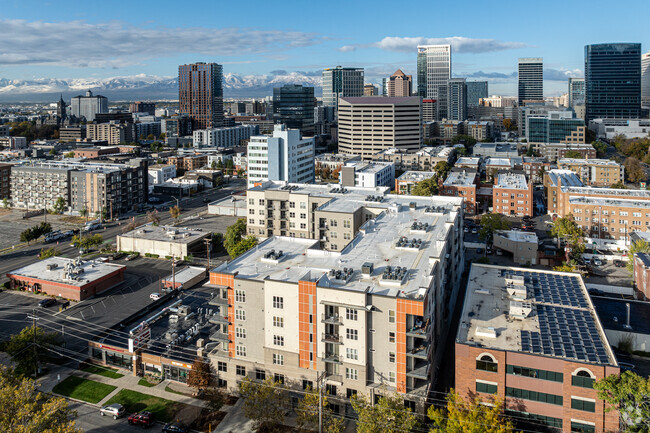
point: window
(351, 353)
(534, 396)
(391, 337)
(548, 420)
(352, 334)
(579, 427)
(278, 340)
(583, 379)
(391, 356)
(240, 314)
(278, 359)
(351, 392)
(346, 224)
(334, 223)
(278, 302)
(351, 314)
(292, 214)
(585, 405)
(222, 366)
(251, 201)
(391, 376)
(292, 204)
(278, 322)
(240, 351)
(347, 236)
(535, 373)
(307, 384)
(487, 388)
(240, 332)
(351, 373)
(330, 389)
(303, 205)
(260, 374)
(486, 363)
(240, 370)
(303, 215)
(391, 316)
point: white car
(115, 410)
(155, 296)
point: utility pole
(320, 380)
(34, 342)
(174, 273)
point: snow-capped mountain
(144, 86)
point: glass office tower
(293, 105)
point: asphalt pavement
(90, 421)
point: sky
(101, 39)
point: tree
(88, 241)
(84, 211)
(69, 155)
(153, 217)
(175, 212)
(461, 416)
(564, 267)
(5, 203)
(507, 124)
(27, 235)
(234, 234)
(242, 246)
(573, 154)
(24, 409)
(29, 348)
(52, 152)
(491, 222)
(48, 252)
(628, 393)
(307, 413)
(427, 187)
(230, 167)
(601, 148)
(199, 375)
(387, 416)
(634, 170)
(215, 398)
(264, 403)
(567, 229)
(59, 205)
(213, 165)
(531, 152)
(35, 232)
(618, 185)
(639, 246)
(442, 169)
(219, 164)
(240, 172)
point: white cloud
(459, 44)
(117, 44)
(562, 74)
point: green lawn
(102, 371)
(83, 389)
(133, 401)
(145, 382)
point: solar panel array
(564, 330)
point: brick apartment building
(407, 181)
(189, 162)
(553, 180)
(594, 172)
(462, 183)
(533, 338)
(512, 194)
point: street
(90, 421)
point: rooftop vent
(273, 255)
(488, 332)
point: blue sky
(100, 39)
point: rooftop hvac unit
(367, 268)
(520, 310)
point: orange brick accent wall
(307, 298)
(404, 307)
(227, 280)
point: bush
(189, 258)
(153, 256)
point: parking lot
(90, 421)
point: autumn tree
(490, 223)
(629, 394)
(634, 171)
(153, 217)
(199, 375)
(387, 416)
(469, 416)
(639, 246)
(265, 403)
(175, 211)
(307, 413)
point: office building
(341, 82)
(370, 90)
(613, 81)
(429, 110)
(72, 133)
(462, 183)
(283, 156)
(434, 72)
(645, 80)
(142, 107)
(512, 194)
(162, 241)
(113, 133)
(399, 84)
(476, 90)
(5, 181)
(367, 174)
(361, 132)
(177, 126)
(86, 107)
(223, 137)
(293, 105)
(200, 94)
(576, 92)
(540, 347)
(555, 127)
(456, 99)
(594, 172)
(609, 128)
(530, 78)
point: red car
(145, 419)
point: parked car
(132, 257)
(587, 261)
(155, 296)
(488, 250)
(117, 256)
(598, 262)
(175, 427)
(115, 410)
(144, 418)
(466, 229)
(206, 200)
(619, 263)
(474, 231)
(499, 253)
(47, 302)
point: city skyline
(268, 41)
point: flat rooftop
(401, 236)
(382, 100)
(600, 162)
(368, 167)
(178, 235)
(518, 236)
(186, 274)
(501, 162)
(416, 176)
(460, 178)
(612, 313)
(467, 160)
(567, 177)
(607, 201)
(543, 313)
(72, 272)
(511, 181)
(619, 193)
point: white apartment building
(160, 173)
(368, 174)
(223, 137)
(283, 156)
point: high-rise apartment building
(475, 91)
(200, 94)
(88, 106)
(613, 81)
(293, 105)
(370, 90)
(576, 92)
(399, 84)
(142, 107)
(531, 80)
(5, 181)
(645, 79)
(341, 82)
(434, 72)
(283, 156)
(457, 99)
(113, 133)
(369, 125)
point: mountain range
(146, 87)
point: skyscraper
(475, 91)
(457, 99)
(645, 79)
(613, 81)
(399, 84)
(434, 72)
(531, 79)
(293, 105)
(88, 106)
(576, 92)
(200, 94)
(341, 82)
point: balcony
(218, 319)
(419, 373)
(420, 351)
(219, 336)
(331, 377)
(331, 319)
(218, 300)
(417, 332)
(419, 392)
(332, 358)
(331, 338)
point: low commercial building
(407, 180)
(73, 279)
(462, 183)
(594, 172)
(495, 150)
(95, 152)
(185, 278)
(607, 129)
(367, 174)
(522, 245)
(161, 173)
(473, 163)
(512, 195)
(533, 339)
(230, 206)
(162, 241)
